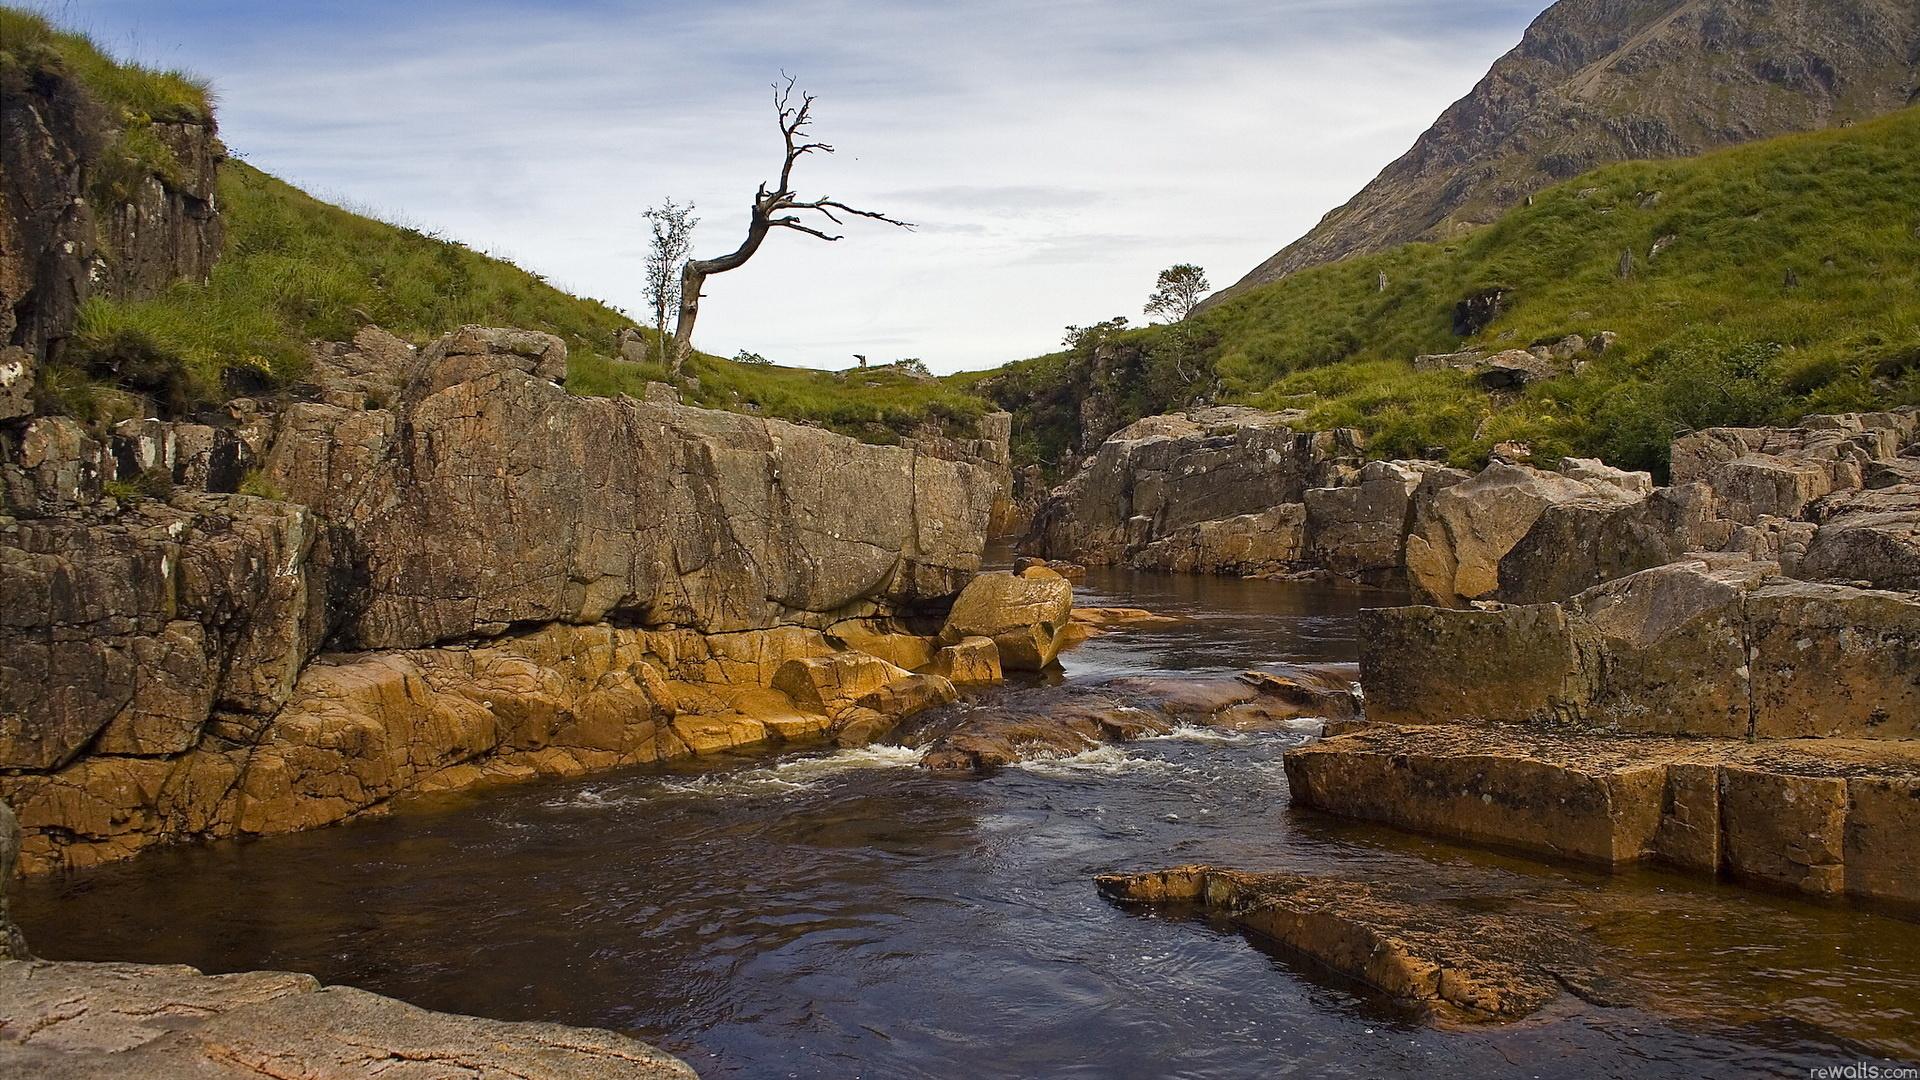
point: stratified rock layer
(511, 580)
(1828, 816)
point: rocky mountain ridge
(1599, 81)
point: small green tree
(1081, 337)
(1177, 292)
(672, 239)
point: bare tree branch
(770, 211)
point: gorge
(408, 695)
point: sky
(1053, 155)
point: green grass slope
(295, 270)
(1788, 283)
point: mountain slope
(1786, 281)
(1599, 81)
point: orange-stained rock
(973, 661)
(1792, 814)
(1023, 615)
(361, 730)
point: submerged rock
(1452, 965)
(1076, 720)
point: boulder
(1022, 614)
(1427, 665)
(1516, 368)
(1830, 660)
(1359, 532)
(839, 682)
(1573, 546)
(1269, 543)
(973, 661)
(1165, 473)
(1072, 571)
(1870, 537)
(1665, 650)
(1459, 533)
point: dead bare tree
(772, 209)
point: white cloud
(1057, 155)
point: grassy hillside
(1789, 283)
(295, 270)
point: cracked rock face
(528, 583)
(1166, 473)
(489, 496)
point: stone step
(1827, 816)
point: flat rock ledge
(83, 1021)
(1450, 965)
(1820, 816)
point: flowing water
(844, 914)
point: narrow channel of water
(844, 914)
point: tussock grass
(30, 43)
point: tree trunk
(692, 278)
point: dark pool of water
(846, 915)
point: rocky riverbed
(841, 910)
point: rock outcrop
(490, 496)
(1709, 713)
(93, 202)
(1458, 534)
(1831, 817)
(81, 1021)
(1022, 614)
(1522, 535)
(1164, 474)
(509, 581)
(1596, 81)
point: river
(845, 914)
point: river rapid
(845, 914)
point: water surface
(843, 914)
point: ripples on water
(841, 914)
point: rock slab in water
(82, 1021)
(1450, 964)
